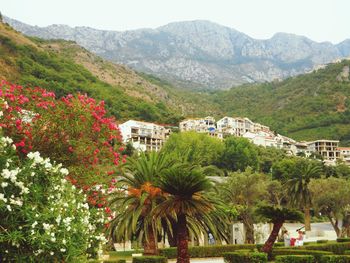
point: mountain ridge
(200, 53)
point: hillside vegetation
(36, 63)
(307, 107)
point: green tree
(277, 216)
(187, 203)
(238, 154)
(298, 187)
(245, 191)
(195, 148)
(331, 197)
(138, 199)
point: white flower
(34, 224)
(9, 208)
(2, 197)
(35, 156)
(64, 241)
(52, 253)
(53, 239)
(64, 171)
(63, 250)
(4, 184)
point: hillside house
(144, 136)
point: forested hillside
(307, 107)
(33, 62)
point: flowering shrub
(72, 130)
(44, 218)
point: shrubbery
(43, 217)
(150, 259)
(206, 251)
(343, 239)
(335, 259)
(295, 251)
(295, 259)
(335, 247)
(245, 257)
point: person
(300, 238)
(286, 238)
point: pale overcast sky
(320, 20)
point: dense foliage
(27, 64)
(73, 130)
(306, 107)
(43, 217)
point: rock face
(199, 53)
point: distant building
(262, 139)
(328, 149)
(201, 125)
(144, 136)
(345, 154)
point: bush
(335, 247)
(321, 241)
(245, 257)
(206, 251)
(150, 259)
(279, 244)
(295, 259)
(293, 251)
(347, 252)
(343, 239)
(335, 259)
(121, 261)
(45, 217)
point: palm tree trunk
(307, 218)
(267, 248)
(182, 240)
(150, 243)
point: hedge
(335, 247)
(335, 259)
(347, 252)
(206, 251)
(295, 259)
(322, 241)
(286, 251)
(244, 257)
(150, 259)
(343, 239)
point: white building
(345, 154)
(201, 125)
(144, 136)
(262, 139)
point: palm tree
(298, 189)
(138, 197)
(187, 203)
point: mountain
(64, 67)
(306, 107)
(199, 54)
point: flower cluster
(73, 130)
(44, 216)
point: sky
(320, 20)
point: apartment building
(328, 149)
(201, 125)
(144, 136)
